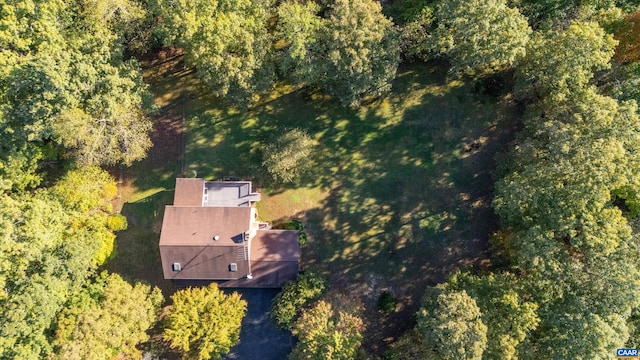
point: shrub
(288, 156)
(117, 222)
(286, 306)
(386, 303)
(295, 224)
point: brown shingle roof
(266, 274)
(275, 245)
(203, 262)
(189, 228)
(188, 192)
(198, 225)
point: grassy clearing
(398, 195)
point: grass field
(398, 194)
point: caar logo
(626, 353)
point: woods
(559, 275)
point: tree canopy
(226, 40)
(586, 48)
(326, 334)
(67, 90)
(73, 100)
(286, 306)
(106, 319)
(287, 157)
(572, 246)
(352, 52)
(478, 35)
(51, 241)
(204, 323)
(451, 324)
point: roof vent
(233, 267)
(216, 237)
(176, 267)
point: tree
(294, 296)
(51, 241)
(509, 318)
(204, 322)
(299, 29)
(479, 36)
(324, 334)
(352, 53)
(18, 166)
(546, 14)
(572, 246)
(582, 333)
(559, 62)
(226, 40)
(288, 156)
(576, 153)
(68, 89)
(109, 318)
(89, 191)
(34, 285)
(42, 260)
(409, 346)
(451, 324)
(29, 27)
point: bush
(386, 303)
(288, 156)
(117, 222)
(295, 224)
(286, 306)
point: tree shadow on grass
(410, 202)
(137, 255)
(409, 180)
(229, 143)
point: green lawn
(398, 194)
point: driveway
(259, 339)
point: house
(211, 232)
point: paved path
(259, 339)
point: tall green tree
(561, 61)
(43, 261)
(34, 277)
(28, 27)
(88, 193)
(66, 89)
(572, 246)
(478, 36)
(451, 324)
(204, 323)
(287, 305)
(289, 156)
(571, 157)
(299, 38)
(226, 40)
(351, 53)
(509, 318)
(324, 334)
(546, 14)
(106, 319)
(51, 240)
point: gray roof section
(229, 194)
